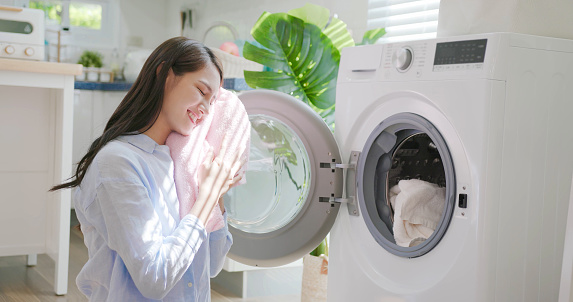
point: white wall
(243, 14)
(147, 23)
(143, 23)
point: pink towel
(227, 116)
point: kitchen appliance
(486, 117)
(21, 33)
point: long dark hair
(140, 108)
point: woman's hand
(215, 178)
(234, 181)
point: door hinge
(348, 183)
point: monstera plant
(302, 50)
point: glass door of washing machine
(283, 211)
(406, 187)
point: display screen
(460, 52)
(16, 27)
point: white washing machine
(483, 117)
(498, 108)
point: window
(87, 15)
(404, 19)
(90, 22)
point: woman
(125, 199)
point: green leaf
(91, 59)
(303, 59)
(321, 249)
(264, 56)
(312, 13)
(333, 28)
(371, 36)
(338, 34)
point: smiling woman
(142, 245)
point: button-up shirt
(139, 248)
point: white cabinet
(36, 117)
(248, 281)
(92, 110)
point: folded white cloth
(418, 207)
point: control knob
(29, 51)
(9, 49)
(403, 58)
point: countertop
(40, 67)
(237, 84)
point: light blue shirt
(139, 249)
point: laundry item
(418, 206)
(227, 118)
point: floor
(20, 283)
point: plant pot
(105, 76)
(92, 74)
(81, 77)
(314, 278)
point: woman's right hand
(215, 177)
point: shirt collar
(140, 141)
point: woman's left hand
(234, 181)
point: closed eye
(201, 91)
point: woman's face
(188, 98)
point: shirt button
(189, 284)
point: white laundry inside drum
(417, 190)
(278, 179)
(406, 185)
(417, 207)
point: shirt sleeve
(220, 242)
(132, 228)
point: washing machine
(483, 119)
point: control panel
(21, 51)
(460, 55)
(415, 59)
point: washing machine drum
(406, 185)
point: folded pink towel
(227, 116)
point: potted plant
(301, 49)
(92, 61)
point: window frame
(104, 38)
(404, 20)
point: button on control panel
(9, 49)
(21, 51)
(402, 58)
(29, 51)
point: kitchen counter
(237, 84)
(114, 86)
(40, 67)
(36, 122)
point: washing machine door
(406, 185)
(283, 211)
